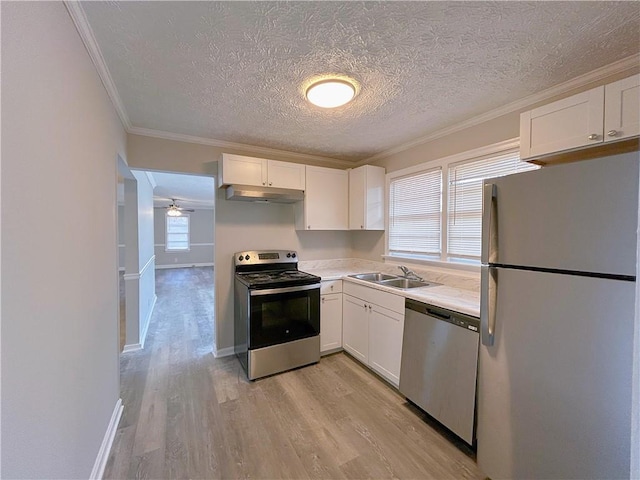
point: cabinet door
(285, 175)
(330, 322)
(356, 198)
(385, 342)
(374, 197)
(326, 199)
(366, 198)
(355, 324)
(569, 123)
(622, 109)
(241, 170)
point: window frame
(443, 260)
(166, 234)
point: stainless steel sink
(374, 277)
(406, 283)
(393, 280)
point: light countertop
(456, 299)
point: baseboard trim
(224, 352)
(183, 265)
(107, 441)
(132, 347)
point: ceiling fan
(174, 210)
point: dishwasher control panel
(455, 318)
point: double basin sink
(394, 281)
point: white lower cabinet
(330, 316)
(372, 332)
(355, 327)
(385, 342)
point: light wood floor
(190, 415)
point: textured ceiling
(236, 71)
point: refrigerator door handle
(489, 251)
(488, 296)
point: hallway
(190, 415)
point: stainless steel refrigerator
(557, 321)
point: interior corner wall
(60, 141)
(201, 232)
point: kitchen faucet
(410, 274)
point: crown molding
(629, 64)
(88, 38)
(253, 149)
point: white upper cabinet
(326, 199)
(603, 114)
(622, 109)
(242, 170)
(285, 175)
(566, 124)
(366, 198)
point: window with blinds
(464, 211)
(415, 213)
(177, 233)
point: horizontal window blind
(415, 213)
(465, 199)
(177, 233)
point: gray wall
(59, 345)
(202, 236)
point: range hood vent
(250, 193)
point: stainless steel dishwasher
(440, 365)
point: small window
(415, 213)
(177, 233)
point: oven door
(280, 315)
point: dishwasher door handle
(433, 313)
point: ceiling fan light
(173, 212)
(331, 93)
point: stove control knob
(293, 255)
(240, 257)
(288, 255)
(246, 257)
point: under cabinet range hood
(250, 193)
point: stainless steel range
(277, 313)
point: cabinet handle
(270, 183)
(365, 306)
(331, 287)
(369, 307)
(264, 183)
(361, 227)
(322, 299)
(612, 133)
(308, 227)
(593, 136)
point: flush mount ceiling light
(331, 93)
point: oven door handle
(273, 291)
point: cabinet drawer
(331, 286)
(375, 296)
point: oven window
(283, 317)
